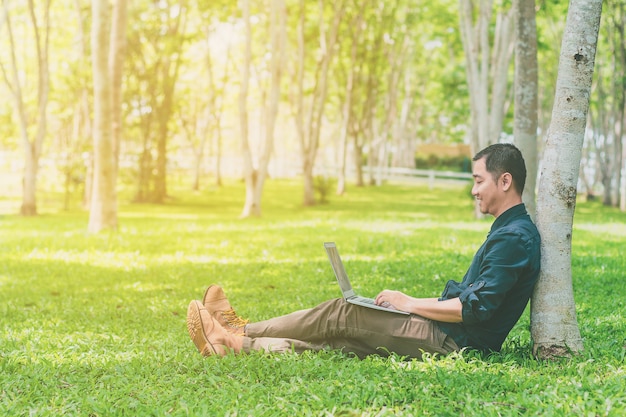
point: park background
(93, 323)
(285, 89)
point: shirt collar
(508, 215)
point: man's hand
(394, 299)
(431, 308)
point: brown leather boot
(217, 305)
(207, 334)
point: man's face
(487, 192)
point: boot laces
(233, 320)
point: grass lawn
(95, 325)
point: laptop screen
(340, 272)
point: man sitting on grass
(477, 313)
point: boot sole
(196, 330)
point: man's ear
(507, 181)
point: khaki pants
(337, 324)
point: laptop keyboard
(366, 300)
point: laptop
(346, 287)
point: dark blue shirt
(498, 284)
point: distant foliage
(444, 163)
(323, 187)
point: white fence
(382, 174)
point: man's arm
(449, 311)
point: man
(477, 313)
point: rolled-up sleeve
(504, 260)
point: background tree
(117, 54)
(554, 327)
(255, 176)
(107, 45)
(216, 106)
(31, 142)
(202, 94)
(157, 41)
(388, 89)
(608, 110)
(408, 88)
(398, 51)
(550, 17)
(486, 67)
(309, 107)
(73, 99)
(243, 102)
(368, 72)
(526, 90)
(351, 68)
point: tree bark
(500, 61)
(157, 74)
(32, 147)
(250, 209)
(396, 57)
(602, 130)
(526, 95)
(347, 110)
(255, 178)
(103, 209)
(82, 130)
(406, 145)
(117, 54)
(169, 75)
(486, 69)
(554, 327)
(618, 42)
(309, 122)
(215, 109)
(608, 108)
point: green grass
(95, 325)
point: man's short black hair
(504, 157)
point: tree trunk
(216, 109)
(29, 182)
(309, 131)
(396, 57)
(358, 163)
(486, 70)
(554, 327)
(197, 166)
(610, 103)
(218, 157)
(602, 130)
(406, 144)
(157, 70)
(526, 95)
(32, 148)
(81, 125)
(117, 55)
(476, 46)
(144, 170)
(347, 110)
(499, 67)
(103, 210)
(159, 194)
(619, 107)
(365, 127)
(251, 206)
(169, 77)
(621, 168)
